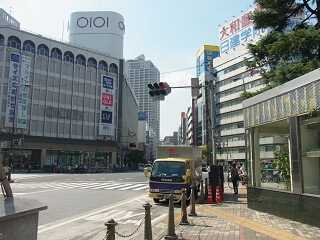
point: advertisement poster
(22, 100)
(12, 86)
(106, 127)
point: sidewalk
(234, 220)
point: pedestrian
(7, 171)
(29, 168)
(234, 177)
(242, 173)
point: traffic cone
(209, 199)
(218, 199)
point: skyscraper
(141, 73)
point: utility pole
(212, 94)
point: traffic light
(158, 91)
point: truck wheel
(156, 200)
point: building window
(29, 46)
(1, 40)
(56, 53)
(14, 42)
(80, 59)
(68, 57)
(103, 66)
(92, 63)
(43, 50)
(113, 68)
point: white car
(141, 166)
(148, 166)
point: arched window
(92, 63)
(1, 40)
(14, 42)
(113, 68)
(103, 66)
(56, 53)
(43, 50)
(80, 59)
(29, 46)
(68, 57)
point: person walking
(7, 171)
(234, 177)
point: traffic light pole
(212, 93)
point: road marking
(253, 225)
(20, 194)
(44, 229)
(133, 186)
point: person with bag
(234, 177)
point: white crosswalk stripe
(81, 185)
(19, 176)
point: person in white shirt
(242, 173)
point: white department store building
(72, 113)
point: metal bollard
(171, 226)
(201, 192)
(111, 231)
(147, 222)
(192, 204)
(206, 188)
(184, 215)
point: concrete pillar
(43, 157)
(256, 162)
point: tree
(283, 56)
(282, 164)
(135, 156)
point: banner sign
(107, 125)
(22, 108)
(12, 87)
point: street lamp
(14, 117)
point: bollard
(184, 215)
(201, 192)
(111, 231)
(147, 222)
(206, 188)
(171, 226)
(193, 207)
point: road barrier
(209, 199)
(171, 227)
(147, 223)
(111, 231)
(184, 215)
(192, 204)
(206, 188)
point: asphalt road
(80, 204)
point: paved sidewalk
(234, 220)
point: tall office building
(141, 73)
(233, 78)
(205, 55)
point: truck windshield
(168, 169)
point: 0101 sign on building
(107, 126)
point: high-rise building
(141, 73)
(233, 78)
(205, 55)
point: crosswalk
(18, 176)
(110, 185)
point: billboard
(107, 125)
(17, 102)
(241, 30)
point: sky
(167, 32)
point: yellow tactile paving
(247, 223)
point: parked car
(141, 166)
(148, 166)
